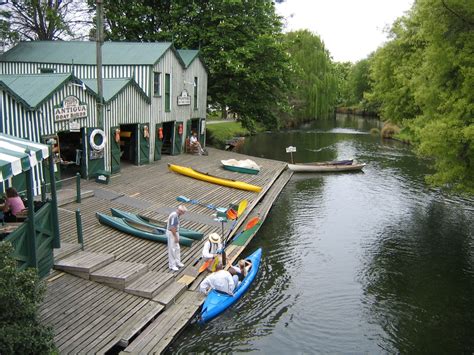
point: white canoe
(324, 167)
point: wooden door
(144, 133)
(158, 140)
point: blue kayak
(217, 302)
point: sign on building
(184, 98)
(70, 109)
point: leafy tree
(44, 20)
(423, 80)
(240, 43)
(313, 75)
(20, 294)
(341, 72)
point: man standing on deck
(172, 233)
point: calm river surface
(371, 262)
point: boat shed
(174, 81)
(61, 109)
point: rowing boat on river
(217, 302)
(324, 167)
(213, 179)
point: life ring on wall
(180, 129)
(146, 132)
(117, 135)
(94, 133)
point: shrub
(21, 292)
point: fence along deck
(88, 316)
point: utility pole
(99, 41)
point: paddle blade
(231, 214)
(242, 206)
(205, 265)
(252, 223)
(183, 199)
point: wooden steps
(65, 250)
(119, 274)
(84, 263)
(150, 284)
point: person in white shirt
(172, 233)
(221, 280)
(212, 247)
(194, 141)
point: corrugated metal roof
(112, 87)
(188, 55)
(33, 89)
(82, 52)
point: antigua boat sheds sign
(184, 98)
(70, 109)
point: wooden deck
(133, 301)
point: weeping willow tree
(313, 77)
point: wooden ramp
(123, 293)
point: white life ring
(92, 139)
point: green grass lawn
(218, 133)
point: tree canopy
(313, 76)
(240, 41)
(423, 79)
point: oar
(196, 202)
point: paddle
(231, 214)
(196, 202)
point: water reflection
(369, 262)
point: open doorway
(129, 144)
(168, 138)
(70, 148)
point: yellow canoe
(213, 179)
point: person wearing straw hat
(172, 233)
(212, 247)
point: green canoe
(153, 223)
(138, 230)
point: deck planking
(148, 190)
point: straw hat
(182, 208)
(214, 238)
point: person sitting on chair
(221, 280)
(195, 143)
(12, 206)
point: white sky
(350, 29)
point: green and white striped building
(154, 95)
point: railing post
(78, 187)
(80, 239)
(54, 199)
(43, 191)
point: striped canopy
(18, 155)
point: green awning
(18, 155)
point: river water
(371, 262)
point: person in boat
(242, 268)
(221, 281)
(195, 142)
(172, 233)
(12, 206)
(212, 249)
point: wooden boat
(153, 223)
(323, 167)
(217, 302)
(241, 166)
(138, 229)
(213, 179)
